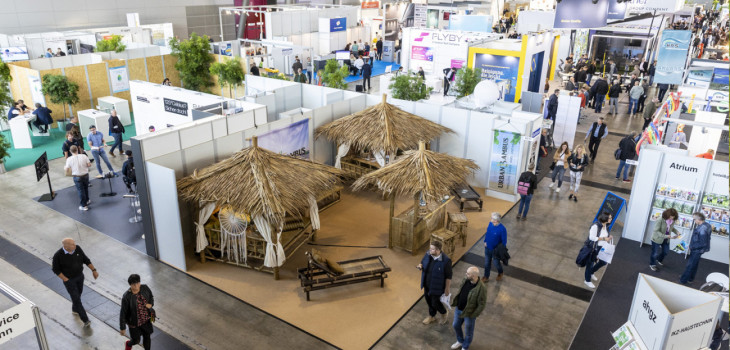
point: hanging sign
(370, 5)
(292, 140)
(504, 160)
(616, 10)
(338, 24)
(581, 14)
(119, 79)
(16, 321)
(660, 6)
(672, 56)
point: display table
(120, 105)
(467, 193)
(89, 117)
(20, 130)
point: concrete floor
(519, 314)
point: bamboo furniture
(447, 239)
(458, 223)
(316, 276)
(466, 193)
(329, 198)
(410, 232)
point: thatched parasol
(420, 171)
(383, 127)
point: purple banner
(616, 10)
(422, 53)
(292, 140)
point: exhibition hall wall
(305, 20)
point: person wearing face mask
(468, 304)
(435, 281)
(137, 312)
(663, 229)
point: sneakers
(659, 263)
(499, 277)
(524, 218)
(87, 324)
(653, 267)
(456, 346)
(571, 196)
(590, 285)
(551, 185)
(444, 317)
(594, 278)
(627, 180)
(557, 190)
(485, 279)
(428, 320)
(575, 198)
(83, 208)
(519, 216)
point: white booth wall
(305, 20)
(65, 61)
(533, 21)
(446, 45)
(324, 43)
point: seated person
(43, 118)
(128, 175)
(358, 65)
(14, 111)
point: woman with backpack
(560, 163)
(599, 234)
(526, 187)
(576, 163)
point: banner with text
(338, 24)
(292, 140)
(616, 10)
(119, 79)
(499, 68)
(672, 56)
(581, 14)
(504, 161)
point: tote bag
(606, 252)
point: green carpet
(50, 144)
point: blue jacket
(367, 70)
(10, 113)
(440, 273)
(44, 115)
(700, 241)
(495, 235)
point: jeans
(613, 105)
(489, 254)
(525, 200)
(661, 95)
(102, 154)
(691, 270)
(588, 79)
(143, 331)
(117, 142)
(558, 173)
(575, 177)
(434, 303)
(633, 105)
(82, 186)
(592, 266)
(655, 255)
(640, 104)
(464, 339)
(651, 80)
(622, 165)
(74, 287)
(599, 102)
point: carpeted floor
(349, 317)
(611, 302)
(378, 69)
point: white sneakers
(590, 285)
(83, 208)
(456, 346)
(551, 185)
(593, 277)
(557, 190)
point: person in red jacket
(710, 154)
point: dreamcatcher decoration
(651, 134)
(233, 234)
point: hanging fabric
(341, 152)
(201, 241)
(264, 228)
(280, 256)
(314, 212)
(380, 158)
(233, 235)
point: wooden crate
(411, 233)
(447, 239)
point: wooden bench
(318, 276)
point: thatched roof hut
(383, 127)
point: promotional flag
(672, 56)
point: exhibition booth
(436, 50)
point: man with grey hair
(496, 234)
(699, 244)
(468, 303)
(68, 265)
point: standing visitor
(597, 132)
(613, 94)
(379, 48)
(496, 234)
(96, 142)
(367, 71)
(354, 48)
(469, 304)
(651, 72)
(137, 313)
(576, 163)
(553, 105)
(297, 66)
(627, 145)
(448, 75)
(253, 69)
(70, 141)
(79, 165)
(634, 95)
(542, 152)
(583, 95)
(299, 77)
(310, 69)
(560, 161)
(662, 90)
(645, 88)
(601, 87)
(435, 281)
(598, 233)
(590, 72)
(649, 112)
(526, 187)
(68, 265)
(568, 66)
(611, 70)
(116, 130)
(421, 73)
(663, 229)
(698, 245)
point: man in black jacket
(601, 89)
(448, 75)
(253, 69)
(137, 312)
(628, 152)
(297, 65)
(580, 75)
(597, 133)
(367, 71)
(68, 265)
(553, 105)
(379, 47)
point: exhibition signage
(36, 90)
(227, 50)
(16, 321)
(338, 24)
(457, 63)
(720, 79)
(660, 6)
(499, 68)
(177, 107)
(419, 15)
(471, 23)
(612, 204)
(504, 160)
(119, 79)
(672, 56)
(421, 53)
(700, 77)
(581, 14)
(616, 10)
(292, 140)
(370, 5)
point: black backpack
(130, 173)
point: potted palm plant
(4, 147)
(6, 98)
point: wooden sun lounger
(318, 276)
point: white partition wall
(163, 191)
(566, 120)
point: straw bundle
(383, 127)
(259, 182)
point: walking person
(662, 90)
(576, 163)
(598, 233)
(560, 160)
(68, 265)
(613, 94)
(649, 113)
(553, 105)
(597, 132)
(496, 234)
(663, 229)
(627, 145)
(367, 71)
(436, 276)
(526, 187)
(634, 95)
(96, 142)
(640, 105)
(651, 72)
(698, 245)
(379, 48)
(601, 87)
(468, 305)
(542, 150)
(137, 313)
(116, 130)
(79, 165)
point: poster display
(672, 56)
(292, 140)
(36, 90)
(581, 14)
(616, 10)
(227, 50)
(338, 24)
(422, 53)
(504, 160)
(720, 79)
(12, 54)
(419, 16)
(498, 69)
(432, 19)
(119, 79)
(700, 77)
(471, 23)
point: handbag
(552, 166)
(153, 315)
(585, 253)
(617, 154)
(606, 252)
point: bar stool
(458, 223)
(134, 203)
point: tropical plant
(193, 62)
(4, 147)
(60, 90)
(279, 76)
(113, 43)
(466, 80)
(6, 98)
(334, 75)
(230, 73)
(410, 87)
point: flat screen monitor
(12, 54)
(342, 55)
